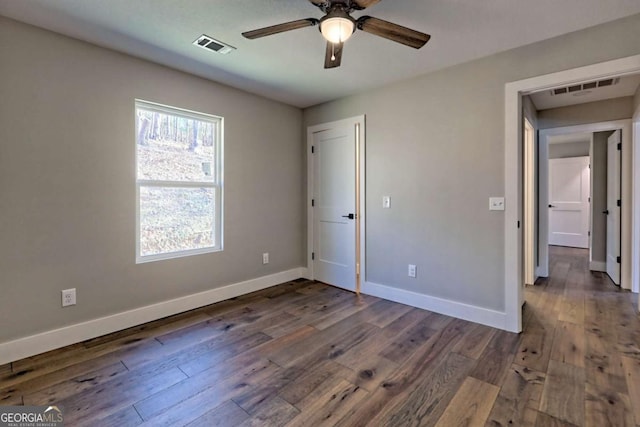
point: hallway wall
(569, 149)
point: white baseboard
(35, 344)
(597, 266)
(484, 316)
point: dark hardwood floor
(307, 354)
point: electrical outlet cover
(496, 203)
(68, 297)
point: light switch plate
(411, 272)
(496, 203)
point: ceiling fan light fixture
(337, 25)
(337, 29)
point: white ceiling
(289, 66)
(626, 86)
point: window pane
(176, 219)
(175, 148)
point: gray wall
(636, 101)
(67, 182)
(591, 112)
(599, 196)
(435, 143)
(569, 149)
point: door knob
(606, 212)
(350, 216)
(552, 206)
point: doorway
(514, 177)
(620, 243)
(336, 209)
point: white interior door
(335, 206)
(613, 208)
(569, 182)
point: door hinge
(518, 224)
(313, 255)
(313, 202)
(618, 260)
(589, 233)
(589, 199)
(619, 202)
(313, 149)
(619, 146)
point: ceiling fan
(337, 26)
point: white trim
(513, 279)
(543, 203)
(529, 204)
(472, 313)
(598, 266)
(311, 130)
(216, 184)
(56, 338)
(177, 184)
(169, 110)
(635, 222)
(591, 187)
(513, 168)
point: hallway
(582, 340)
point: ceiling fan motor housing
(347, 5)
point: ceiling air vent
(213, 45)
(578, 88)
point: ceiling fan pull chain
(333, 51)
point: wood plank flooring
(307, 354)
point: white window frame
(215, 184)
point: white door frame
(543, 176)
(635, 228)
(358, 125)
(529, 205)
(513, 172)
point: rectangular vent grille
(213, 45)
(573, 89)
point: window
(179, 182)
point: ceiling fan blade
(363, 4)
(394, 32)
(333, 55)
(280, 28)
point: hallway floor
(582, 335)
